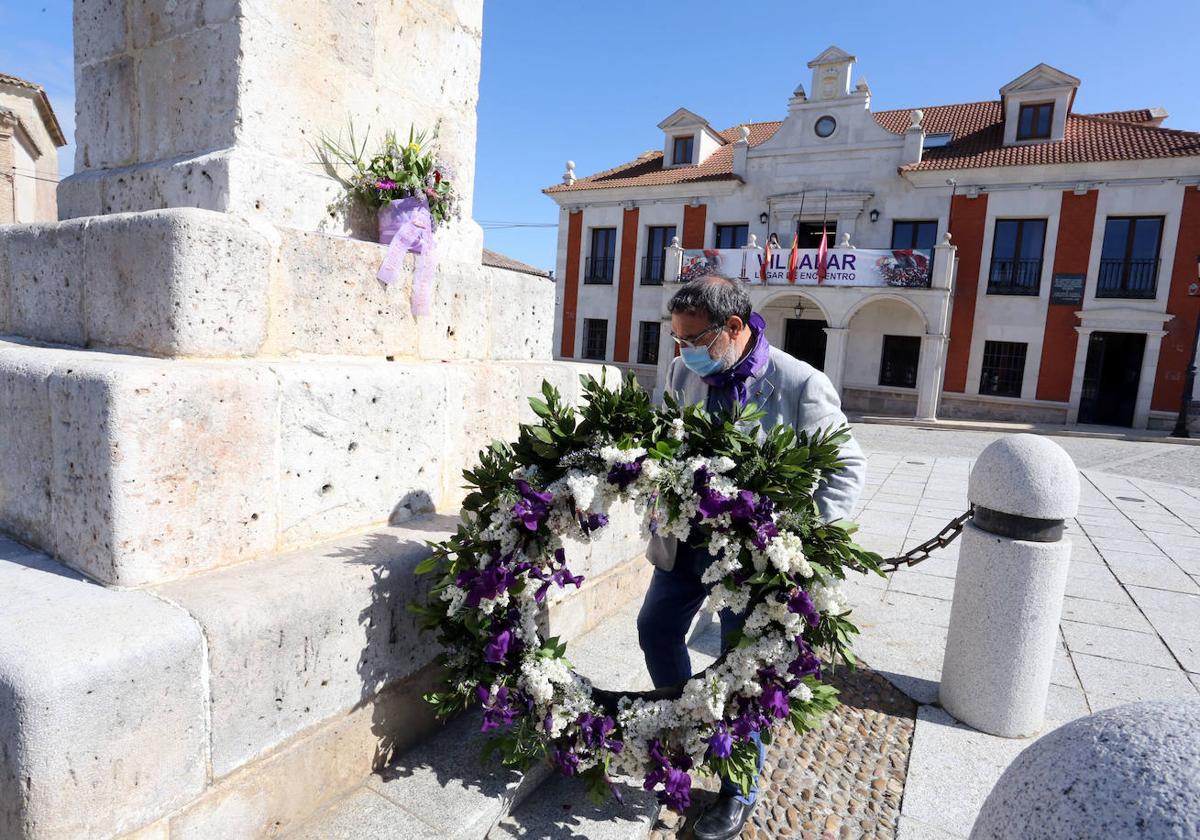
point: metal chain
(922, 552)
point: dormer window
(936, 141)
(682, 151)
(1034, 121)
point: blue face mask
(699, 361)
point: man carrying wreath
(724, 360)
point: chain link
(923, 551)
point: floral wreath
(686, 472)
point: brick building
(1065, 293)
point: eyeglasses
(693, 341)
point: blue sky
(590, 80)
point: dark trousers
(671, 603)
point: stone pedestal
(226, 444)
(216, 103)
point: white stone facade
(862, 179)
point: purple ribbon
(414, 233)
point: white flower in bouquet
(829, 598)
(614, 455)
(584, 488)
(677, 431)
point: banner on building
(844, 266)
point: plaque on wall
(1067, 288)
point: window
(825, 126)
(901, 353)
(595, 338)
(1129, 257)
(648, 343)
(936, 141)
(657, 240)
(599, 265)
(682, 152)
(1003, 368)
(1033, 121)
(1017, 257)
(732, 236)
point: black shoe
(723, 820)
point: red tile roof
(1088, 138)
(648, 169)
(978, 142)
(498, 260)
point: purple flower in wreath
(677, 790)
(560, 576)
(712, 504)
(750, 719)
(774, 700)
(625, 474)
(592, 521)
(497, 648)
(497, 711)
(802, 603)
(484, 583)
(385, 184)
(567, 762)
(806, 662)
(595, 731)
(533, 507)
(720, 745)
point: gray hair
(718, 297)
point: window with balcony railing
(1129, 257)
(655, 261)
(601, 262)
(1016, 267)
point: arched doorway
(883, 357)
(796, 323)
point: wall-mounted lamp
(874, 215)
(799, 309)
(763, 218)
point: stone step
(137, 470)
(439, 790)
(191, 282)
(561, 809)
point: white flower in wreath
(829, 598)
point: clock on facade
(825, 126)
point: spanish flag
(766, 261)
(822, 258)
(793, 258)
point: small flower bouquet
(395, 172)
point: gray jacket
(789, 391)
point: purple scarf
(731, 384)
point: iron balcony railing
(1127, 279)
(652, 269)
(598, 269)
(1015, 277)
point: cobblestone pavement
(843, 780)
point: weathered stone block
(329, 301)
(102, 704)
(271, 796)
(168, 282)
(25, 449)
(187, 93)
(47, 270)
(100, 28)
(105, 99)
(522, 317)
(295, 639)
(360, 443)
(180, 282)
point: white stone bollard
(1008, 591)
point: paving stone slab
(1108, 682)
(560, 810)
(1115, 643)
(362, 814)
